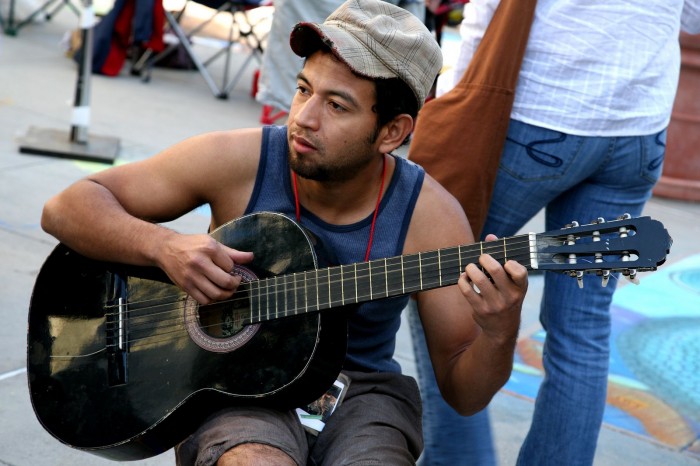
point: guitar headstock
(628, 245)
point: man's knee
(255, 454)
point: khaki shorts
(378, 422)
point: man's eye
(337, 107)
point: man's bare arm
(112, 215)
(471, 336)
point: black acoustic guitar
(122, 364)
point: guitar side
(139, 402)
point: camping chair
(11, 26)
(242, 30)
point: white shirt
(595, 68)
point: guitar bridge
(117, 335)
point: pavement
(37, 87)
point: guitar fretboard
(316, 290)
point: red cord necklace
(376, 208)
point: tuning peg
(599, 220)
(573, 224)
(606, 278)
(571, 240)
(631, 274)
(624, 217)
(579, 277)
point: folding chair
(242, 30)
(11, 27)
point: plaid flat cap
(376, 39)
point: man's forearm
(482, 370)
(87, 218)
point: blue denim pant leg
(573, 178)
(581, 179)
(449, 439)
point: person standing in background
(586, 139)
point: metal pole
(81, 105)
(76, 143)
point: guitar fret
(451, 268)
(263, 304)
(285, 308)
(323, 289)
(439, 268)
(377, 279)
(394, 276)
(430, 263)
(356, 287)
(306, 293)
(414, 275)
(369, 276)
(335, 286)
(266, 297)
(296, 298)
(403, 281)
(259, 301)
(386, 278)
(275, 310)
(342, 287)
(281, 297)
(363, 282)
(256, 310)
(253, 299)
(420, 270)
(318, 302)
(263, 300)
(289, 296)
(273, 298)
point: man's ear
(395, 132)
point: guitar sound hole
(222, 327)
(222, 320)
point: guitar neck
(316, 290)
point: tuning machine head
(631, 275)
(578, 274)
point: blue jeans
(572, 178)
(445, 431)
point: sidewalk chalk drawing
(654, 376)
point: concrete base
(55, 143)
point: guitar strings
(149, 323)
(409, 268)
(362, 295)
(177, 322)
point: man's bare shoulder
(438, 220)
(215, 158)
(232, 143)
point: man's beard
(339, 169)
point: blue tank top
(372, 327)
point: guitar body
(127, 385)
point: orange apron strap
(459, 136)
